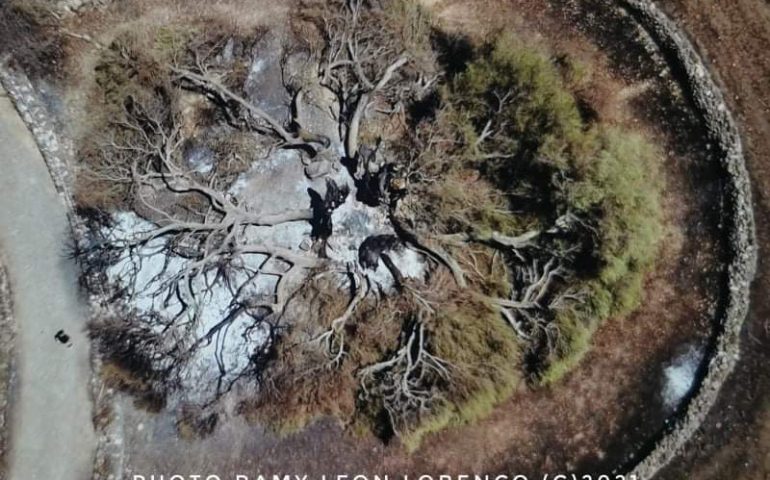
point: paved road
(52, 435)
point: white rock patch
(679, 377)
(221, 355)
(204, 314)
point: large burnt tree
(439, 227)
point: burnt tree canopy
(340, 250)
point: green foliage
(622, 184)
(577, 74)
(410, 24)
(518, 87)
(483, 353)
(520, 95)
(576, 329)
(169, 42)
(473, 337)
(542, 150)
(458, 203)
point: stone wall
(7, 334)
(708, 98)
(57, 151)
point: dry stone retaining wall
(7, 333)
(740, 226)
(57, 152)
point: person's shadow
(63, 338)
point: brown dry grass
(120, 378)
(90, 192)
(301, 387)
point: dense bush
(546, 160)
(484, 354)
(621, 186)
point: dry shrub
(127, 363)
(115, 376)
(103, 415)
(91, 192)
(485, 268)
(484, 355)
(302, 385)
(299, 388)
(411, 25)
(127, 380)
(293, 400)
(471, 336)
(29, 33)
(134, 70)
(195, 422)
(126, 70)
(305, 30)
(464, 201)
(235, 153)
(238, 16)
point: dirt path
(51, 435)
